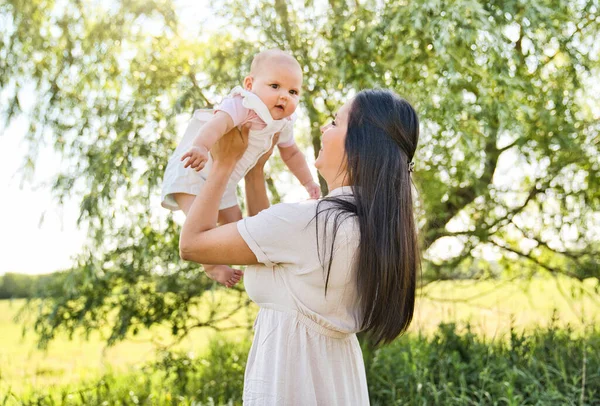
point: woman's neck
(338, 182)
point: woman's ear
(248, 82)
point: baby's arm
(295, 161)
(221, 123)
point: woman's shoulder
(323, 213)
(300, 210)
(340, 218)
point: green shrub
(542, 368)
(453, 367)
(216, 378)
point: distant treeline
(19, 286)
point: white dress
(178, 179)
(305, 351)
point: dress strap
(253, 102)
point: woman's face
(331, 162)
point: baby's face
(278, 86)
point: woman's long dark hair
(382, 136)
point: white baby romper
(305, 351)
(178, 179)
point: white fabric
(305, 350)
(178, 179)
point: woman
(326, 269)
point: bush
(546, 367)
(454, 367)
(216, 378)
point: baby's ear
(248, 82)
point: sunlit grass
(23, 366)
(491, 308)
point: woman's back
(283, 237)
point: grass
(545, 366)
(23, 367)
(494, 307)
(492, 310)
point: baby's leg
(221, 273)
(184, 201)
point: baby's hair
(272, 54)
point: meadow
(492, 310)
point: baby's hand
(313, 189)
(198, 156)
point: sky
(28, 244)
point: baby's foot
(223, 274)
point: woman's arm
(256, 191)
(201, 241)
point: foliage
(215, 378)
(16, 285)
(13, 286)
(454, 367)
(509, 157)
(457, 368)
(492, 308)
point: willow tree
(508, 164)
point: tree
(500, 87)
(14, 285)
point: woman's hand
(256, 192)
(230, 148)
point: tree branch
(463, 196)
(197, 87)
(569, 254)
(533, 259)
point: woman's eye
(275, 86)
(333, 123)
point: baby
(267, 102)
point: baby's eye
(294, 92)
(275, 86)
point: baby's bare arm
(294, 159)
(211, 132)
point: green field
(493, 307)
(490, 307)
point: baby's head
(276, 78)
